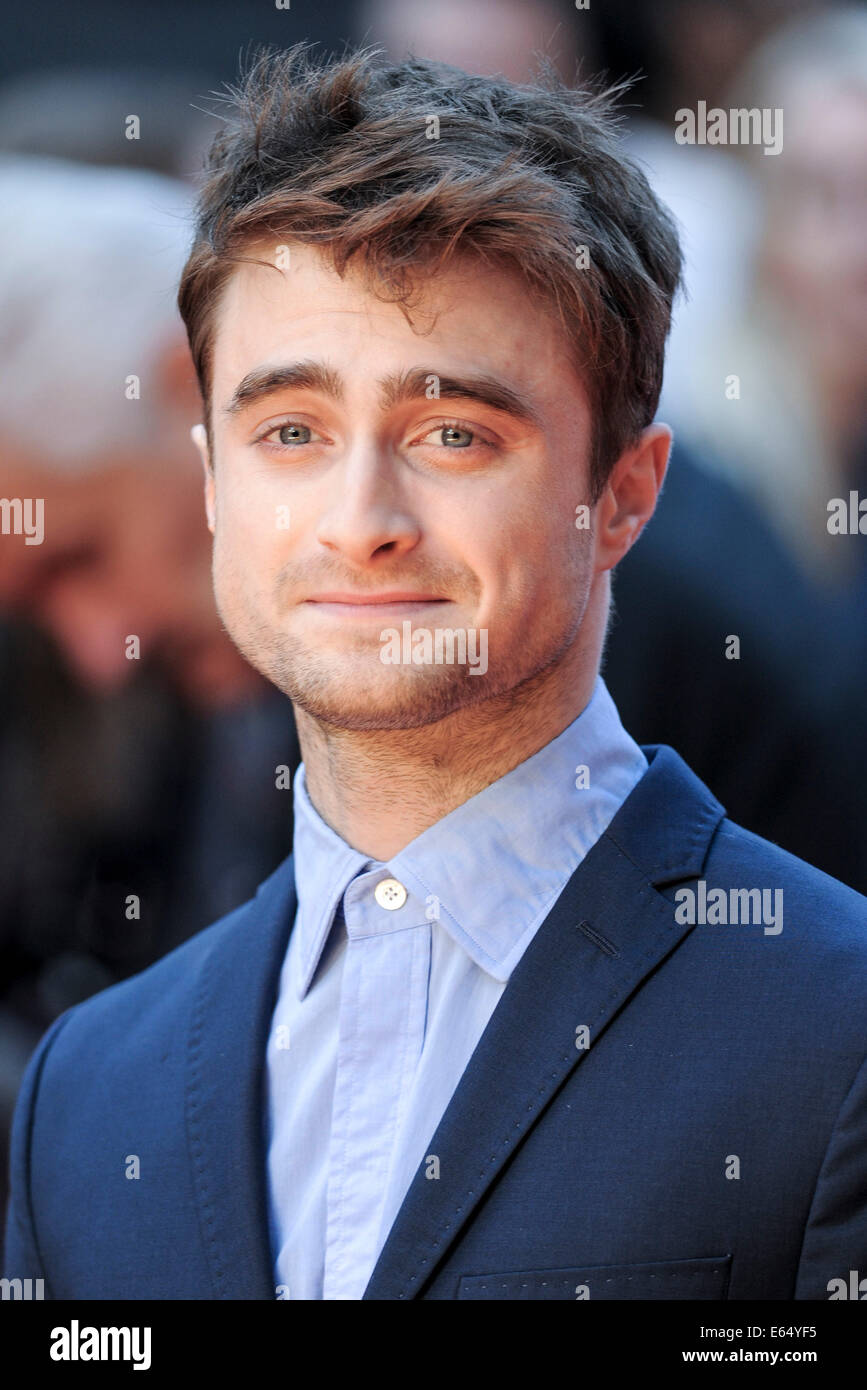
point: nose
(368, 511)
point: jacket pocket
(666, 1279)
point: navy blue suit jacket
(709, 1143)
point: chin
(401, 704)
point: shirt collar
(495, 865)
(325, 865)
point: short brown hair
(338, 155)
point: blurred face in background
(488, 36)
(815, 245)
(125, 553)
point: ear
(200, 439)
(630, 495)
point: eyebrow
(395, 388)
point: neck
(380, 789)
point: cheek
(511, 574)
(250, 534)
(246, 507)
(531, 548)
(234, 569)
(548, 585)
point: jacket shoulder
(736, 851)
(150, 1010)
(809, 938)
(164, 988)
(676, 830)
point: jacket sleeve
(22, 1258)
(835, 1239)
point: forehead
(469, 316)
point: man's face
(350, 499)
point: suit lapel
(608, 930)
(225, 1094)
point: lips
(384, 607)
(392, 596)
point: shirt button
(390, 894)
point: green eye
(448, 433)
(294, 434)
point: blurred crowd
(139, 793)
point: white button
(390, 894)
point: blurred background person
(144, 771)
(797, 434)
(793, 438)
(96, 401)
(683, 52)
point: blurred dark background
(139, 800)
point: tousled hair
(338, 155)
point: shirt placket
(383, 1006)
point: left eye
(454, 435)
(293, 434)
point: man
(524, 1015)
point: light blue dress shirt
(382, 999)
